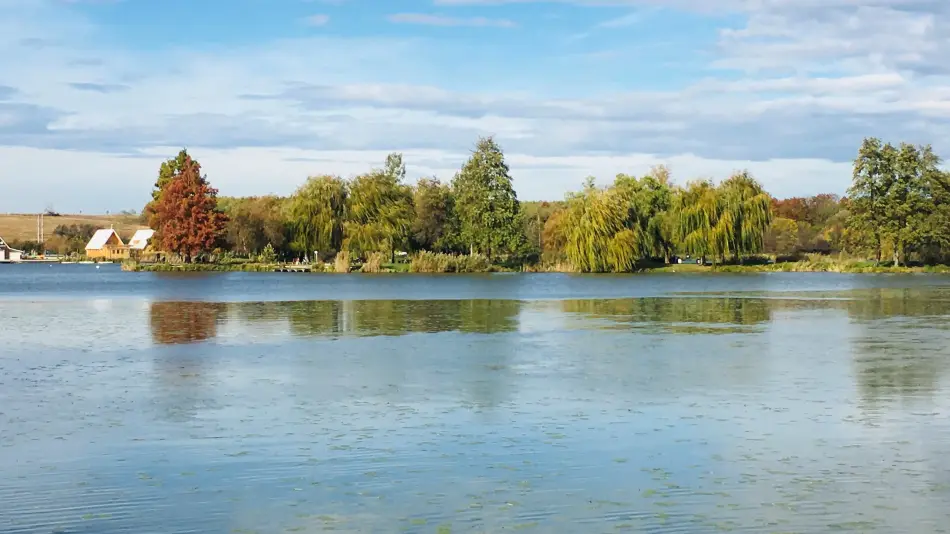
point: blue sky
(95, 93)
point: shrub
(430, 262)
(268, 255)
(475, 263)
(342, 262)
(374, 263)
(437, 262)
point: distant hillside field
(23, 227)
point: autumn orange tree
(185, 217)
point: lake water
(229, 403)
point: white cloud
(317, 20)
(441, 20)
(104, 181)
(262, 117)
(629, 19)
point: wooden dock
(293, 269)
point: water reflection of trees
(184, 322)
(900, 352)
(873, 304)
(897, 346)
(899, 337)
(181, 375)
(678, 315)
(386, 317)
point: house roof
(140, 240)
(101, 237)
(3, 244)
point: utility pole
(40, 233)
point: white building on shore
(9, 254)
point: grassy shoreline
(404, 268)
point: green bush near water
(197, 267)
(374, 263)
(437, 262)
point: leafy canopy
(488, 209)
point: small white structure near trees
(9, 254)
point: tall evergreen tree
(487, 206)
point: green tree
(896, 196)
(700, 230)
(166, 172)
(871, 179)
(255, 222)
(379, 210)
(597, 235)
(782, 237)
(648, 201)
(908, 200)
(535, 216)
(746, 214)
(432, 227)
(937, 241)
(487, 206)
(395, 168)
(554, 236)
(268, 255)
(317, 211)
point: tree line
(896, 208)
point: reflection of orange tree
(184, 322)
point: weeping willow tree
(316, 211)
(596, 232)
(648, 202)
(746, 215)
(698, 209)
(379, 211)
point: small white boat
(86, 262)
